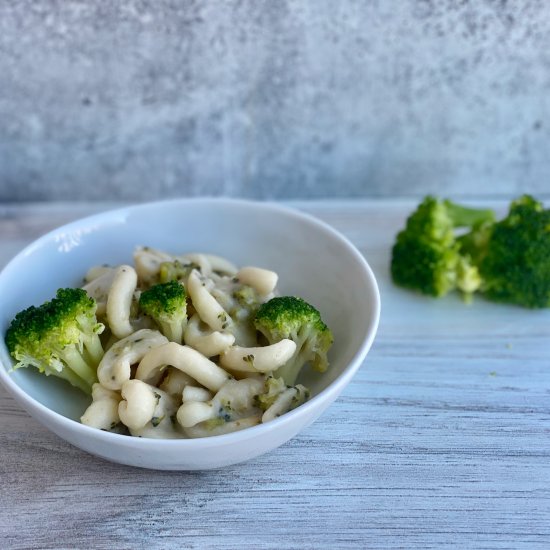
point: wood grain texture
(441, 440)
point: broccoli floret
(247, 297)
(272, 389)
(59, 338)
(244, 306)
(293, 318)
(427, 255)
(278, 398)
(175, 271)
(166, 304)
(514, 255)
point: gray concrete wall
(273, 99)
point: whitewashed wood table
(441, 440)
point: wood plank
(442, 439)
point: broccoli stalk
(427, 255)
(514, 255)
(166, 304)
(464, 216)
(293, 318)
(59, 338)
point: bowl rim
(329, 393)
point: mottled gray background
(273, 99)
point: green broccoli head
(166, 304)
(427, 255)
(60, 338)
(293, 318)
(423, 265)
(515, 262)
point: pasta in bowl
(188, 352)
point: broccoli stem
(291, 369)
(73, 379)
(74, 361)
(94, 348)
(463, 216)
(172, 331)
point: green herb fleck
(156, 420)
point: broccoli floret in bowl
(293, 318)
(59, 338)
(166, 304)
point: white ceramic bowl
(312, 259)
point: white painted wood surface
(442, 439)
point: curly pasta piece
(119, 301)
(194, 412)
(175, 382)
(200, 260)
(137, 405)
(97, 271)
(147, 411)
(114, 368)
(193, 393)
(98, 289)
(287, 400)
(103, 411)
(147, 261)
(165, 429)
(234, 400)
(208, 343)
(184, 358)
(263, 281)
(207, 307)
(258, 359)
(210, 262)
(200, 430)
